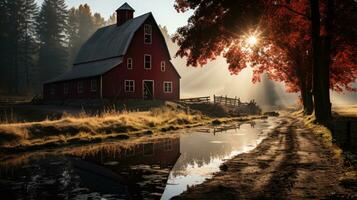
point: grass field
(346, 111)
(111, 124)
(84, 127)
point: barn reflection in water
(114, 170)
(136, 172)
(140, 168)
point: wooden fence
(236, 105)
(232, 104)
(196, 100)
(224, 100)
(14, 100)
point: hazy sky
(163, 10)
(194, 80)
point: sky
(163, 10)
(194, 80)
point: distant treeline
(37, 44)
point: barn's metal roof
(125, 6)
(110, 41)
(104, 50)
(88, 69)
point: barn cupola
(124, 13)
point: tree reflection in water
(151, 167)
(109, 171)
(203, 152)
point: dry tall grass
(346, 110)
(86, 127)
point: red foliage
(284, 49)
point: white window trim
(131, 63)
(148, 25)
(125, 81)
(170, 82)
(163, 66)
(150, 61)
(93, 89)
(65, 88)
(80, 89)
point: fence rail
(196, 100)
(237, 106)
(224, 100)
(234, 105)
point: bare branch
(293, 11)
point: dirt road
(290, 164)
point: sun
(252, 40)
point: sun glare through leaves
(252, 40)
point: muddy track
(290, 164)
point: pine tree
(12, 51)
(5, 44)
(52, 32)
(17, 44)
(81, 25)
(112, 19)
(98, 20)
(28, 46)
(73, 36)
(86, 23)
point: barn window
(163, 66)
(167, 87)
(147, 34)
(148, 149)
(129, 63)
(147, 61)
(65, 88)
(52, 90)
(93, 85)
(80, 87)
(168, 145)
(129, 85)
(130, 152)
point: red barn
(129, 59)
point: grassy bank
(323, 132)
(333, 139)
(108, 125)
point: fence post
(225, 100)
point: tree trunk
(326, 62)
(304, 83)
(316, 62)
(307, 101)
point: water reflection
(203, 152)
(145, 168)
(135, 171)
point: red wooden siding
(72, 90)
(113, 81)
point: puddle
(150, 168)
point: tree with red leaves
(287, 44)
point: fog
(215, 79)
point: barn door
(148, 87)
